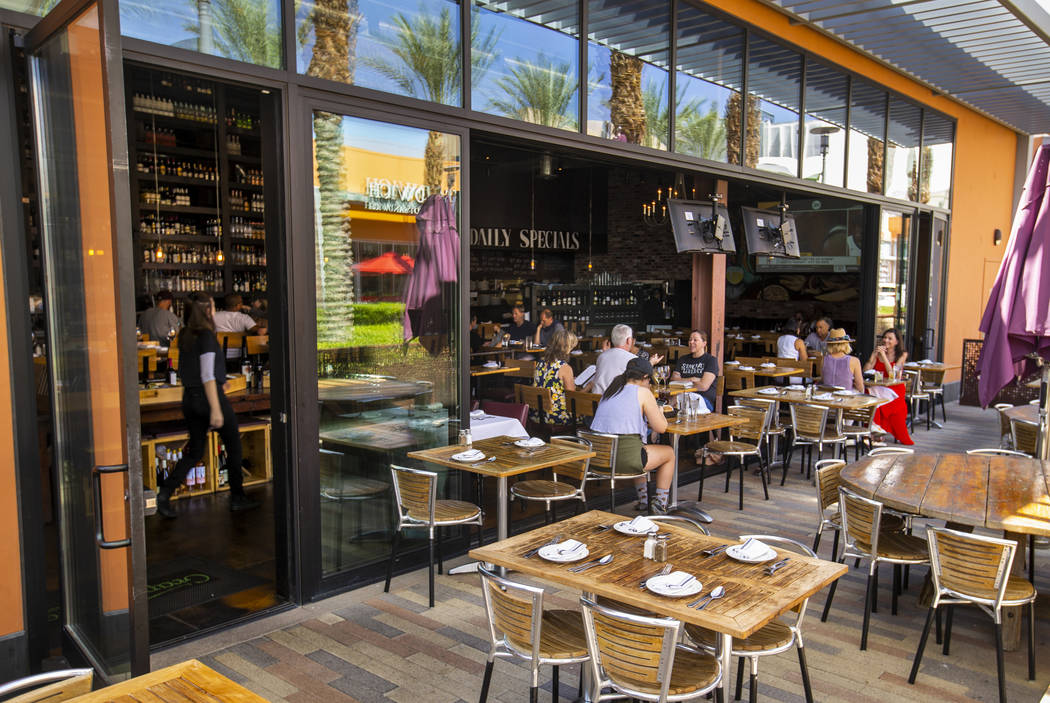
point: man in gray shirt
(159, 322)
(613, 362)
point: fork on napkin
(677, 580)
(569, 546)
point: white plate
(768, 391)
(659, 586)
(623, 527)
(731, 363)
(469, 458)
(529, 444)
(734, 552)
(769, 366)
(846, 393)
(550, 553)
(745, 368)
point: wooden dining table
(752, 600)
(510, 460)
(1005, 493)
(836, 402)
(188, 682)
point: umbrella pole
(1042, 443)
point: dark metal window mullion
(745, 98)
(885, 144)
(919, 159)
(672, 78)
(800, 141)
(848, 127)
(582, 85)
(466, 9)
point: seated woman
(841, 369)
(790, 346)
(888, 358)
(553, 371)
(699, 367)
(628, 408)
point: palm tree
(733, 123)
(427, 65)
(701, 133)
(539, 92)
(335, 24)
(626, 106)
(245, 30)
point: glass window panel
(774, 76)
(891, 306)
(938, 134)
(902, 151)
(387, 343)
(245, 30)
(524, 61)
(867, 132)
(628, 51)
(710, 73)
(405, 47)
(824, 156)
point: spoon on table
(716, 592)
(591, 564)
(486, 461)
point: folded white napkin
(756, 336)
(768, 365)
(576, 352)
(642, 524)
(927, 361)
(746, 368)
(823, 396)
(475, 414)
(678, 579)
(491, 364)
(768, 391)
(469, 455)
(731, 363)
(752, 549)
(567, 547)
(795, 387)
(530, 442)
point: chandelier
(654, 212)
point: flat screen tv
(768, 234)
(701, 227)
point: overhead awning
(993, 55)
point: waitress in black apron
(202, 369)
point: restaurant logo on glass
(386, 195)
(524, 238)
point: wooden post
(709, 296)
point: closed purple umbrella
(1016, 322)
(437, 262)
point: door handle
(96, 480)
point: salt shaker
(464, 438)
(649, 548)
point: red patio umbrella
(388, 262)
(1016, 323)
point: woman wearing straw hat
(841, 369)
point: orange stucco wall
(10, 547)
(984, 174)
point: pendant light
(590, 216)
(532, 221)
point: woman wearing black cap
(202, 368)
(628, 409)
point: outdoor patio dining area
(367, 645)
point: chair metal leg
(1031, 641)
(827, 603)
(739, 678)
(816, 540)
(835, 546)
(868, 598)
(486, 681)
(703, 470)
(940, 635)
(1031, 559)
(554, 685)
(922, 646)
(999, 666)
(729, 474)
(430, 570)
(390, 564)
(764, 467)
(804, 668)
(896, 588)
(440, 555)
(741, 507)
(875, 591)
(534, 694)
(948, 629)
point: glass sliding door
(77, 85)
(894, 259)
(387, 248)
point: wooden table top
(849, 402)
(363, 389)
(489, 371)
(185, 682)
(1027, 412)
(885, 383)
(703, 423)
(913, 365)
(752, 598)
(510, 460)
(997, 492)
(779, 372)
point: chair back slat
(1024, 434)
(860, 518)
(757, 421)
(536, 397)
(604, 447)
(573, 469)
(829, 478)
(970, 565)
(581, 403)
(809, 420)
(525, 369)
(415, 491)
(933, 377)
(739, 380)
(629, 652)
(514, 612)
(1005, 433)
(860, 416)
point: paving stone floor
(369, 646)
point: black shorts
(645, 457)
